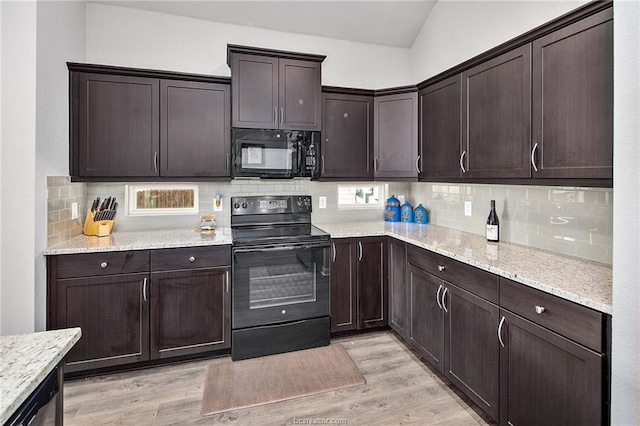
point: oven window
(282, 280)
(261, 156)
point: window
(361, 196)
(161, 199)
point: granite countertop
(581, 281)
(123, 241)
(26, 360)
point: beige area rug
(257, 381)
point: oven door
(280, 283)
(265, 158)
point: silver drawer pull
(540, 309)
(192, 259)
(104, 265)
(440, 268)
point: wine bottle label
(492, 232)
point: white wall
(17, 156)
(626, 208)
(61, 38)
(456, 31)
(136, 38)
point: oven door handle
(281, 248)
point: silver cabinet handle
(500, 331)
(144, 289)
(227, 280)
(192, 259)
(359, 251)
(281, 116)
(333, 252)
(104, 265)
(226, 163)
(417, 167)
(155, 161)
(375, 166)
(533, 157)
(444, 302)
(275, 114)
(438, 296)
(322, 168)
(440, 268)
(540, 309)
(461, 163)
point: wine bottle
(493, 224)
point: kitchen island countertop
(26, 360)
(581, 281)
(141, 240)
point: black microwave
(275, 154)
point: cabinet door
(497, 117)
(440, 129)
(118, 126)
(112, 312)
(195, 129)
(398, 311)
(426, 317)
(395, 136)
(372, 283)
(472, 347)
(190, 312)
(254, 91)
(546, 379)
(300, 95)
(343, 285)
(347, 132)
(573, 100)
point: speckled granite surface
(26, 359)
(122, 241)
(581, 281)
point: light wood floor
(400, 389)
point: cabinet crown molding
(249, 50)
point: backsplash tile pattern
(572, 221)
(240, 187)
(61, 193)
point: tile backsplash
(567, 220)
(61, 194)
(572, 221)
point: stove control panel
(270, 204)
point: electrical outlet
(322, 202)
(401, 199)
(467, 208)
(74, 211)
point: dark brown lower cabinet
(546, 378)
(358, 283)
(372, 282)
(398, 309)
(112, 312)
(426, 316)
(190, 312)
(343, 285)
(455, 330)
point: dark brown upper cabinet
(496, 117)
(118, 119)
(395, 134)
(440, 130)
(274, 89)
(134, 124)
(347, 136)
(195, 132)
(573, 100)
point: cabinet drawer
(107, 263)
(576, 322)
(190, 258)
(472, 279)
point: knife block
(101, 228)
